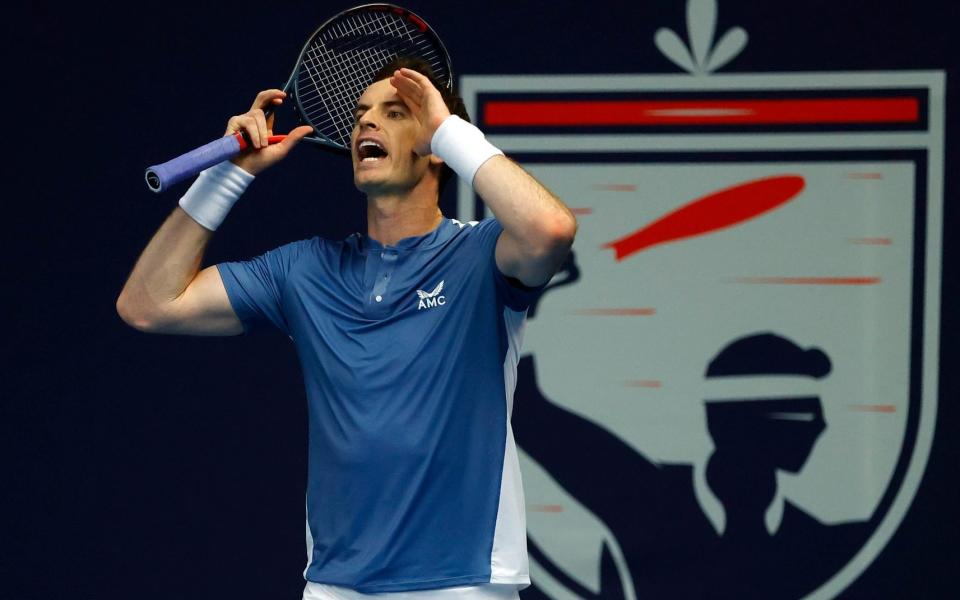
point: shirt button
(379, 298)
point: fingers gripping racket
(336, 65)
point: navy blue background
(140, 466)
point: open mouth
(370, 151)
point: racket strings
(341, 62)
(351, 66)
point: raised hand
(424, 101)
(259, 127)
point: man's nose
(369, 121)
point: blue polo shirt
(409, 357)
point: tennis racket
(336, 65)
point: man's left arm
(538, 229)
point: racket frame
(161, 176)
(291, 89)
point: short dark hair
(450, 97)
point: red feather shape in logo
(718, 210)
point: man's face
(382, 142)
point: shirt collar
(440, 234)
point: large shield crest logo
(730, 388)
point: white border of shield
(931, 140)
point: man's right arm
(166, 291)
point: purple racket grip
(160, 177)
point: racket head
(339, 60)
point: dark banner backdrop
(140, 466)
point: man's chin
(365, 176)
(371, 184)
(367, 184)
(379, 181)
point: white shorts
(486, 591)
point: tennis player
(408, 338)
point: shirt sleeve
(512, 292)
(255, 287)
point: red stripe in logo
(573, 113)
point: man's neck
(392, 217)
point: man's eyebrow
(361, 106)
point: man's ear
(435, 166)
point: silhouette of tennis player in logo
(763, 415)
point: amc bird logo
(431, 299)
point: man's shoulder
(319, 244)
(296, 248)
(478, 225)
(461, 238)
(307, 250)
(487, 228)
(464, 224)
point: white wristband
(462, 146)
(214, 193)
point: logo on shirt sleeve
(431, 299)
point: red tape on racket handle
(162, 176)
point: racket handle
(162, 176)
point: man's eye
(394, 114)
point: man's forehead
(379, 91)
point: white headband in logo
(759, 387)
